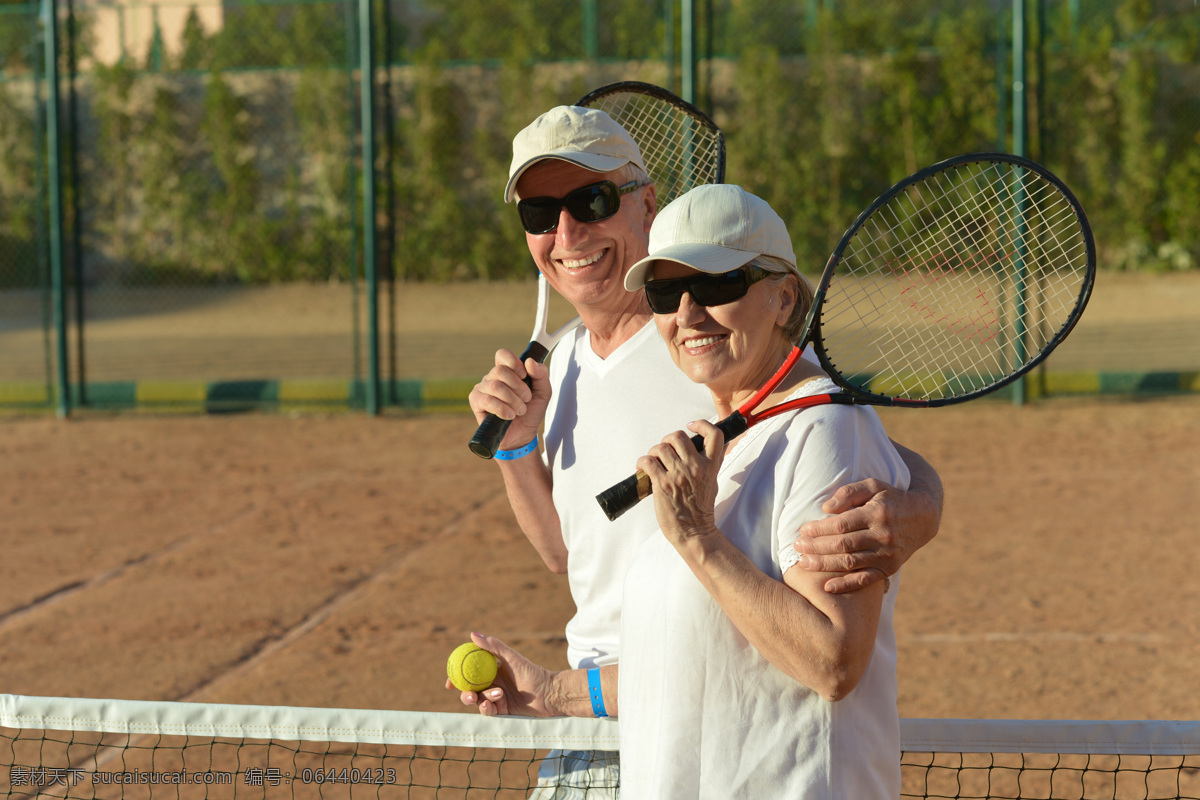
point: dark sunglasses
(706, 290)
(586, 204)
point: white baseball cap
(587, 137)
(714, 228)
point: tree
(195, 48)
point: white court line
(269, 646)
(149, 558)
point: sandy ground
(336, 561)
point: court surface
(336, 560)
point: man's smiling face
(586, 262)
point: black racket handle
(490, 432)
(618, 499)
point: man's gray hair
(624, 174)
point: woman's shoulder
(828, 430)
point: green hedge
(230, 156)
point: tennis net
(1050, 759)
(109, 749)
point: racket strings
(679, 150)
(958, 338)
(971, 331)
(954, 283)
(1060, 214)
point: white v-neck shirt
(606, 413)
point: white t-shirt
(703, 713)
(628, 402)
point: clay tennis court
(335, 560)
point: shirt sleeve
(828, 447)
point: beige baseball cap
(584, 136)
(714, 228)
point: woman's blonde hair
(782, 271)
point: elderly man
(610, 391)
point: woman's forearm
(824, 641)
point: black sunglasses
(706, 290)
(586, 204)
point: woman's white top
(703, 714)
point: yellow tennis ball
(471, 668)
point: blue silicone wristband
(597, 694)
(520, 452)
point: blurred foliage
(20, 198)
(232, 154)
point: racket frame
(622, 496)
(813, 323)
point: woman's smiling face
(732, 348)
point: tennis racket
(952, 284)
(681, 147)
(486, 440)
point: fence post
(1019, 124)
(687, 51)
(1001, 79)
(388, 240)
(366, 77)
(54, 181)
(76, 226)
(669, 41)
(591, 30)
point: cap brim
(702, 256)
(588, 161)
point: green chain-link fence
(26, 358)
(210, 154)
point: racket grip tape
(490, 432)
(488, 436)
(621, 497)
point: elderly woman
(740, 676)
